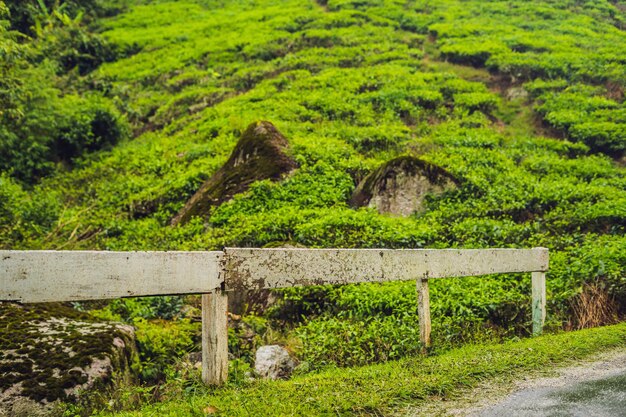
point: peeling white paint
(275, 268)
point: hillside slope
(522, 101)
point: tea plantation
(113, 113)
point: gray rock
(195, 360)
(261, 153)
(273, 362)
(515, 93)
(400, 186)
(51, 353)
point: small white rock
(273, 362)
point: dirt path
(595, 389)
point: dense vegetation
(44, 120)
(395, 388)
(111, 117)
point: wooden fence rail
(45, 276)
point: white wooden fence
(45, 276)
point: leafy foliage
(41, 125)
(29, 15)
(351, 85)
(392, 388)
(163, 334)
(537, 43)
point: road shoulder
(488, 397)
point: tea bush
(164, 337)
(581, 47)
(533, 134)
(161, 343)
(24, 217)
(41, 125)
(52, 129)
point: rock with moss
(51, 353)
(260, 154)
(400, 186)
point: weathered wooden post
(423, 311)
(539, 301)
(42, 276)
(215, 338)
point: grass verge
(385, 389)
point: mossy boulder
(51, 353)
(400, 186)
(260, 154)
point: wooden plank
(214, 338)
(274, 268)
(423, 311)
(539, 302)
(40, 276)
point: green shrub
(470, 52)
(51, 129)
(39, 125)
(483, 102)
(93, 125)
(161, 343)
(163, 336)
(24, 216)
(26, 14)
(129, 309)
(333, 341)
(74, 47)
(605, 137)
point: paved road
(597, 391)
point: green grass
(386, 389)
